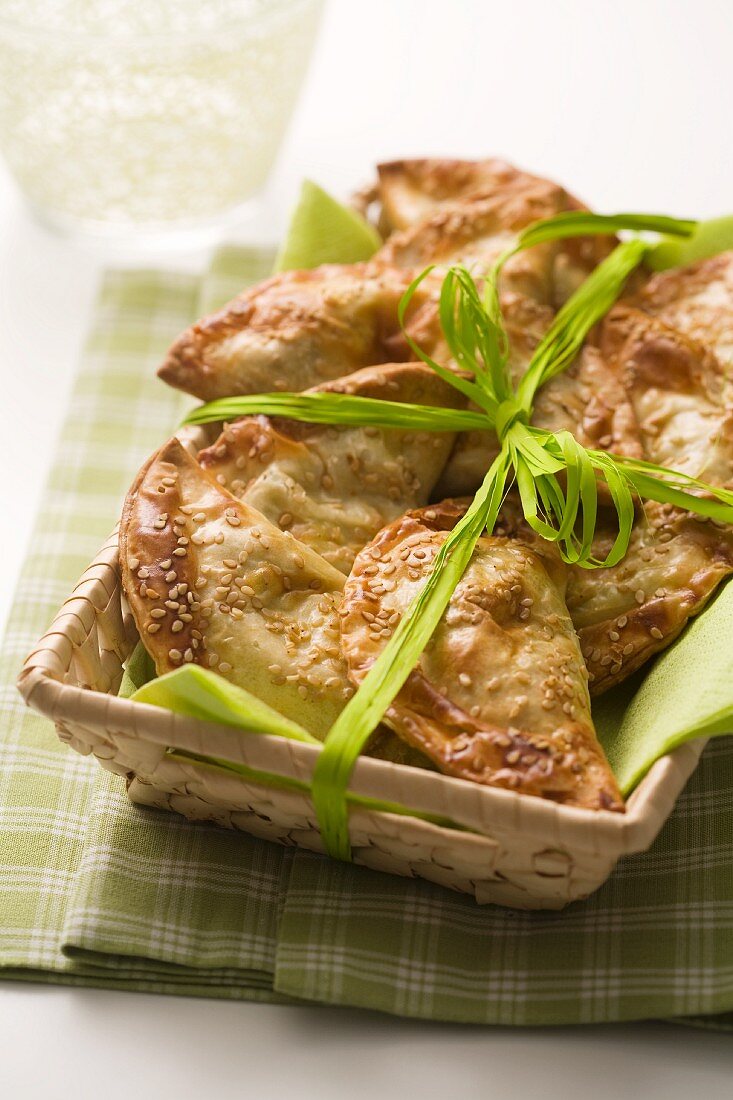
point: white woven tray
(521, 851)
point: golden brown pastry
(675, 561)
(474, 233)
(676, 387)
(211, 582)
(588, 400)
(626, 614)
(410, 190)
(698, 301)
(298, 329)
(470, 211)
(500, 694)
(334, 487)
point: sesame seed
(171, 576)
(153, 628)
(180, 552)
(175, 654)
(157, 613)
(166, 564)
(225, 667)
(639, 596)
(655, 633)
(177, 626)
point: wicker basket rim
(43, 683)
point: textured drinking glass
(134, 117)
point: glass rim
(10, 25)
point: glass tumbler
(134, 118)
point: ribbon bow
(556, 477)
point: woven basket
(521, 851)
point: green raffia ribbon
(556, 477)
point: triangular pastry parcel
(675, 560)
(500, 693)
(469, 211)
(411, 190)
(587, 399)
(698, 301)
(211, 581)
(333, 487)
(298, 329)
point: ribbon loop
(508, 413)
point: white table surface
(629, 104)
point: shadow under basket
(514, 850)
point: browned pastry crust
(500, 694)
(626, 614)
(675, 561)
(410, 190)
(298, 329)
(697, 300)
(469, 211)
(475, 233)
(211, 582)
(334, 487)
(677, 390)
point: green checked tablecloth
(96, 891)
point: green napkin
(323, 231)
(710, 237)
(96, 891)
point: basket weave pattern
(521, 851)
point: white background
(629, 104)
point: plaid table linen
(96, 891)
